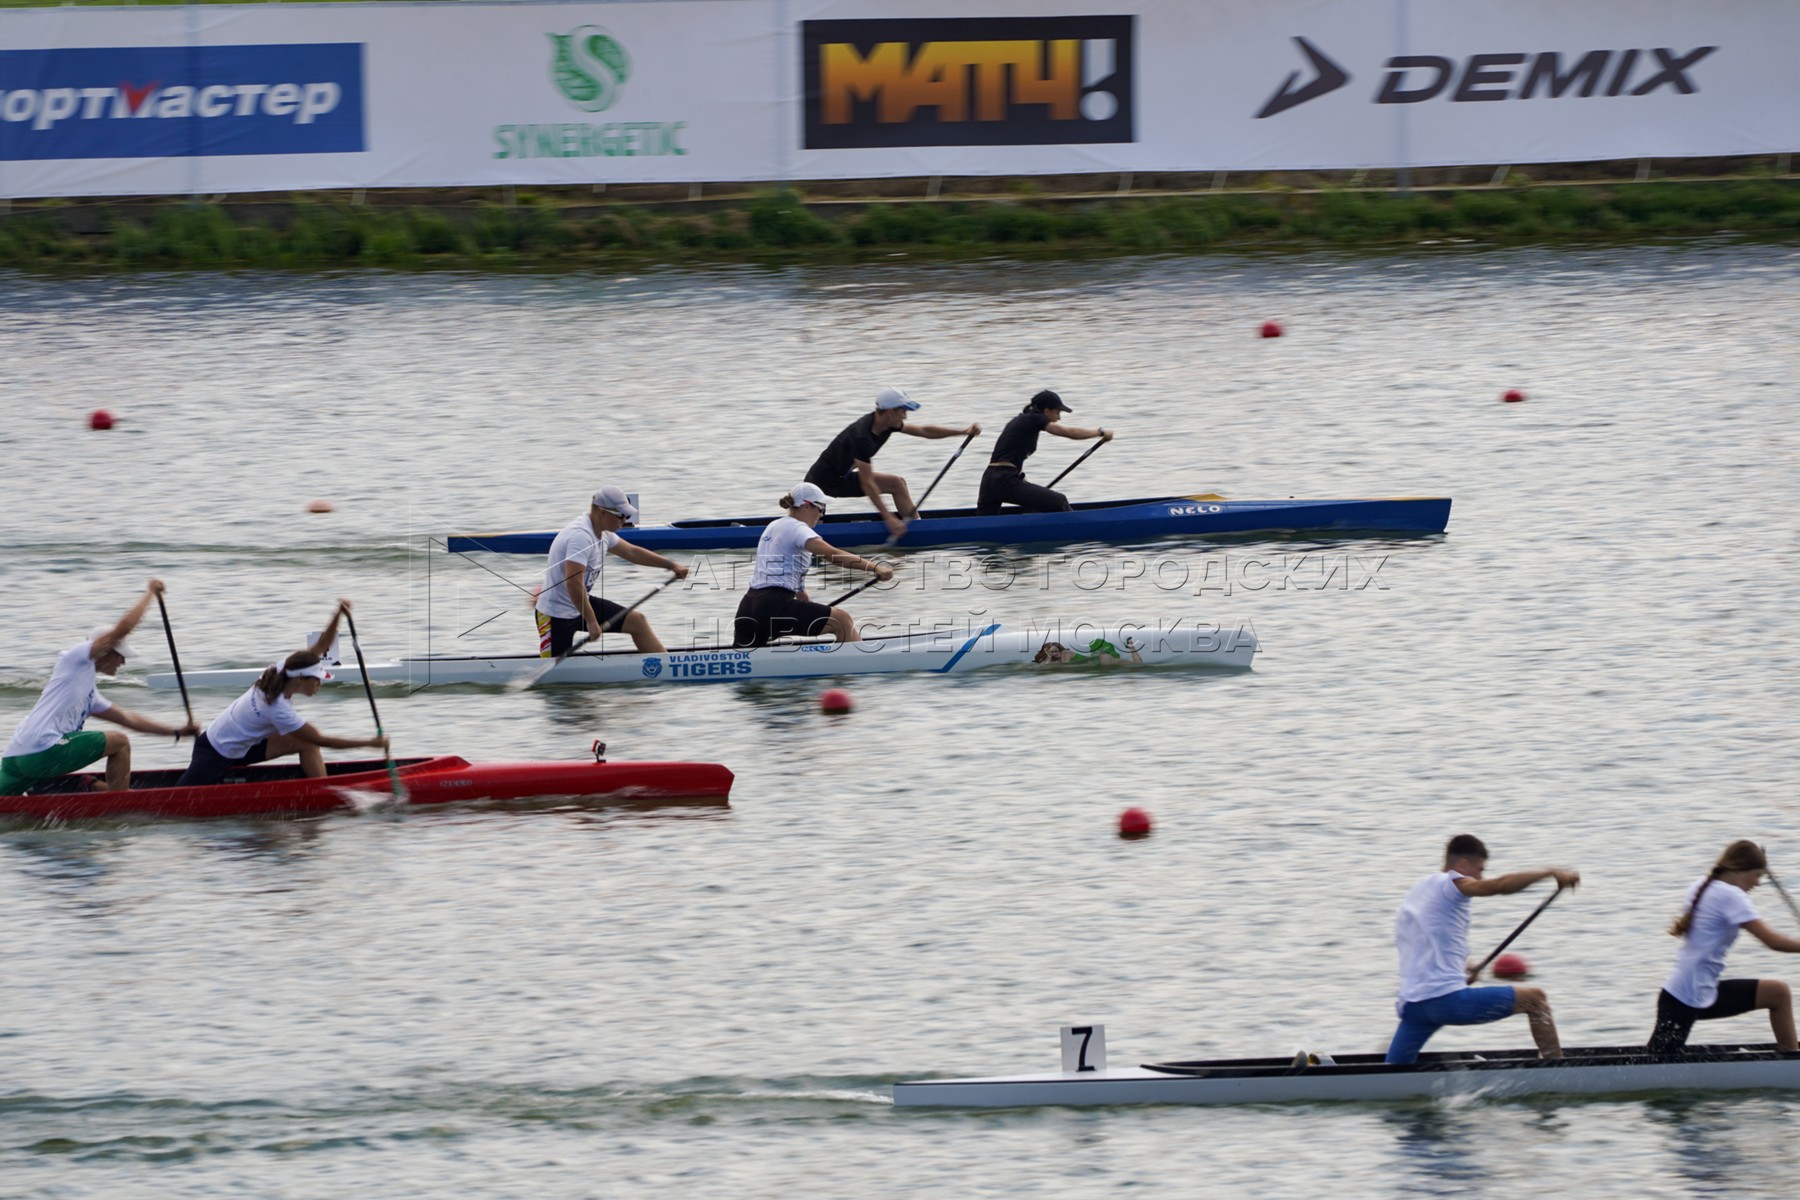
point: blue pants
(1422, 1018)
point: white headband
(316, 671)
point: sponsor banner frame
(492, 93)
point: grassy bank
(309, 232)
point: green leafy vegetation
(779, 226)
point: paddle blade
(525, 681)
(537, 673)
(394, 784)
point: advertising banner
(227, 99)
(210, 99)
(943, 87)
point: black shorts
(1008, 485)
(1674, 1019)
(843, 487)
(208, 766)
(765, 614)
(557, 634)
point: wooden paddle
(393, 769)
(181, 681)
(519, 685)
(1098, 442)
(919, 508)
(1498, 950)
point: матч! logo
(967, 81)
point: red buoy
(835, 701)
(1511, 966)
(1272, 329)
(1513, 396)
(1134, 823)
(321, 506)
(100, 419)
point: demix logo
(1547, 74)
(1329, 78)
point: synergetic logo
(967, 81)
(1416, 78)
(652, 667)
(589, 67)
(181, 101)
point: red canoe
(280, 789)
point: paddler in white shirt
(1718, 906)
(50, 742)
(564, 605)
(1432, 933)
(777, 604)
(262, 723)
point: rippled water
(1597, 666)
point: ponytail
(271, 681)
(1742, 855)
(275, 676)
(787, 503)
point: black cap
(1049, 399)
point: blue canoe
(1101, 521)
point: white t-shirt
(576, 543)
(69, 699)
(1432, 933)
(251, 718)
(782, 558)
(1722, 912)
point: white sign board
(203, 98)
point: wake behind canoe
(1592, 1071)
(1122, 521)
(1062, 646)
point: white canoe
(1604, 1070)
(942, 653)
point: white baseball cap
(808, 493)
(613, 499)
(121, 647)
(893, 397)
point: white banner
(275, 97)
(1222, 85)
(219, 99)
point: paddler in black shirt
(844, 469)
(1004, 480)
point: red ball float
(1272, 329)
(1134, 823)
(1511, 966)
(1513, 396)
(321, 506)
(835, 701)
(100, 419)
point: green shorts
(68, 755)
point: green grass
(777, 226)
